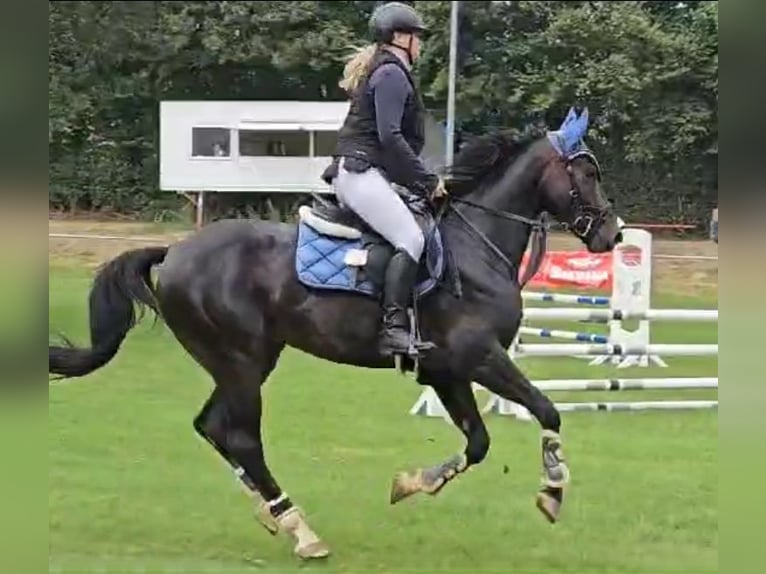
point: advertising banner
(579, 269)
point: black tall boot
(399, 286)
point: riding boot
(399, 286)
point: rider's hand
(439, 191)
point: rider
(380, 143)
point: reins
(539, 240)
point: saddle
(330, 210)
(333, 218)
(337, 250)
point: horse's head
(571, 187)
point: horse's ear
(575, 131)
(571, 116)
(568, 138)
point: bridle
(586, 220)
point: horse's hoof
(404, 484)
(314, 551)
(549, 503)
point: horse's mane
(485, 159)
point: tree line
(648, 71)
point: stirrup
(416, 346)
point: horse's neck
(517, 194)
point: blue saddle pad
(319, 262)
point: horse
(235, 294)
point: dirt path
(72, 252)
(673, 276)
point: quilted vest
(359, 135)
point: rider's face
(415, 47)
(403, 40)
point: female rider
(379, 143)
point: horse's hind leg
(231, 421)
(499, 375)
(232, 342)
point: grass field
(133, 489)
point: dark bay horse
(230, 295)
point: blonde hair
(356, 67)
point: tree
(646, 70)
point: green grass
(131, 487)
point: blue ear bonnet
(567, 140)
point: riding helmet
(394, 17)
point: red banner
(579, 269)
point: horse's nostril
(618, 238)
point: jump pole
(609, 315)
(609, 349)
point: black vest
(358, 138)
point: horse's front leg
(499, 375)
(459, 402)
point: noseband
(586, 219)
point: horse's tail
(122, 282)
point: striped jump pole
(566, 335)
(503, 407)
(637, 406)
(563, 298)
(607, 315)
(669, 383)
(428, 404)
(561, 350)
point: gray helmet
(394, 17)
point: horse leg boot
(397, 338)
